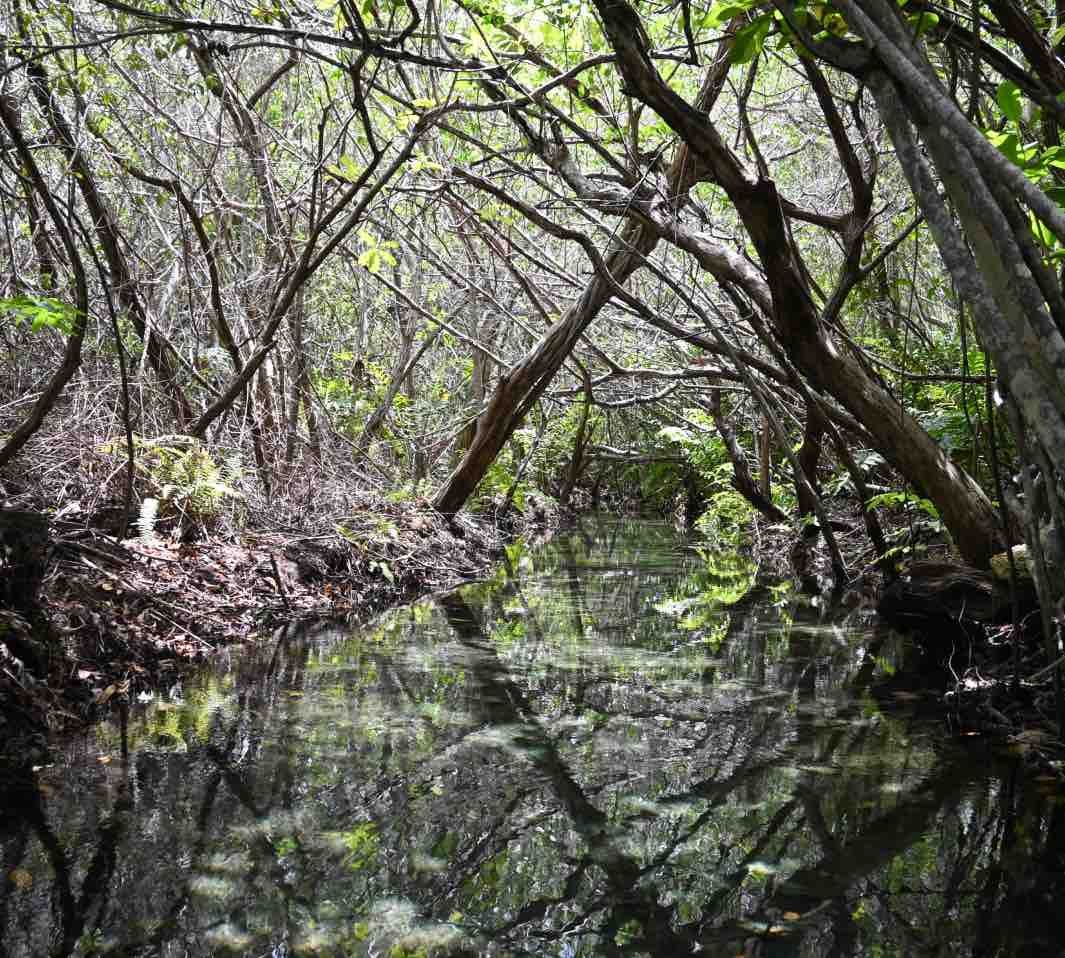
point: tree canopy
(464, 245)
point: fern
(182, 481)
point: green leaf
(41, 312)
(921, 23)
(346, 169)
(1008, 146)
(1042, 233)
(893, 499)
(751, 39)
(724, 10)
(1008, 98)
(371, 260)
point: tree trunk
(963, 506)
(519, 389)
(125, 286)
(9, 118)
(577, 460)
(742, 481)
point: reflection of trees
(546, 764)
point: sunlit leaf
(1008, 98)
(751, 39)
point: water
(621, 745)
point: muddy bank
(985, 638)
(110, 618)
(979, 639)
(117, 617)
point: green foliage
(705, 453)
(182, 479)
(40, 312)
(751, 39)
(362, 843)
(1041, 164)
(553, 454)
(726, 517)
(841, 482)
(905, 500)
(348, 170)
(922, 23)
(349, 401)
(90, 942)
(1008, 98)
(727, 513)
(724, 10)
(703, 447)
(497, 482)
(376, 252)
(921, 516)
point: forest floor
(125, 616)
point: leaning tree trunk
(963, 506)
(9, 119)
(525, 382)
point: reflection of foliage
(628, 933)
(722, 579)
(726, 517)
(361, 785)
(91, 942)
(729, 575)
(508, 633)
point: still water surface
(623, 744)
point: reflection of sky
(610, 745)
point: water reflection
(619, 746)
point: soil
(113, 617)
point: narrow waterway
(623, 744)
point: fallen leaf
(792, 916)
(20, 878)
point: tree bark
(125, 285)
(965, 509)
(9, 118)
(525, 382)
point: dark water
(619, 746)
